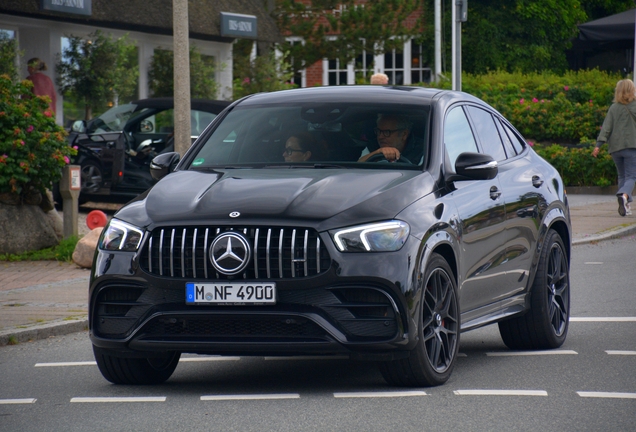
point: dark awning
(612, 28)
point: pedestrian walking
(619, 132)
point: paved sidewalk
(39, 299)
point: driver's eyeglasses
(289, 151)
(385, 132)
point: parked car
(115, 148)
(239, 250)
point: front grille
(184, 252)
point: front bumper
(364, 305)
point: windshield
(114, 119)
(317, 135)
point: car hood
(321, 197)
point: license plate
(231, 293)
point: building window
(337, 74)
(296, 64)
(394, 66)
(363, 67)
(420, 72)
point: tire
(152, 370)
(92, 177)
(433, 359)
(545, 325)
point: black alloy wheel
(92, 177)
(433, 359)
(545, 326)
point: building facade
(41, 26)
(405, 65)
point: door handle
(536, 181)
(494, 193)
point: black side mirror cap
(164, 164)
(474, 166)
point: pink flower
(75, 147)
(21, 142)
(530, 143)
(30, 128)
(521, 101)
(535, 100)
(67, 160)
(48, 113)
(566, 88)
(246, 80)
(542, 101)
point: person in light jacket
(619, 132)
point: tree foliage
(521, 35)
(266, 73)
(97, 70)
(596, 9)
(202, 68)
(375, 26)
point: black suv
(115, 148)
(378, 222)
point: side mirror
(474, 166)
(146, 126)
(164, 164)
(79, 126)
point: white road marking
(379, 394)
(307, 358)
(602, 319)
(251, 397)
(119, 399)
(594, 263)
(82, 363)
(17, 401)
(529, 353)
(610, 352)
(204, 359)
(607, 395)
(501, 392)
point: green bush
(577, 166)
(33, 149)
(547, 107)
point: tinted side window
(487, 132)
(510, 150)
(458, 137)
(517, 142)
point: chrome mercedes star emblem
(230, 253)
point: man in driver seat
(393, 133)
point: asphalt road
(587, 385)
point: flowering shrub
(546, 107)
(33, 149)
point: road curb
(42, 331)
(609, 235)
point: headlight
(121, 236)
(378, 237)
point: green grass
(61, 252)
